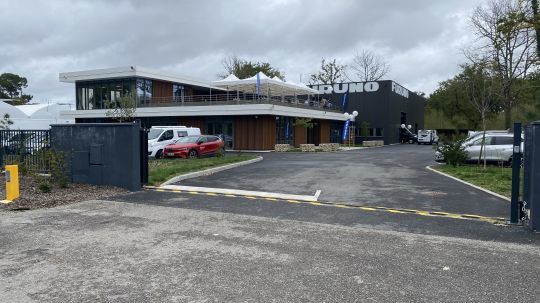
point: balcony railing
(234, 99)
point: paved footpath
(110, 251)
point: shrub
(45, 187)
(453, 152)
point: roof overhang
(215, 110)
(132, 71)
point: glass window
(148, 90)
(284, 130)
(178, 92)
(188, 139)
(478, 141)
(504, 140)
(154, 133)
(182, 133)
(167, 135)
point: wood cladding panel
(252, 133)
(162, 91)
(193, 122)
(300, 135)
(323, 131)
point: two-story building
(250, 114)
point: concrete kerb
(239, 192)
(209, 171)
(469, 184)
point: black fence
(25, 147)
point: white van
(161, 136)
(426, 136)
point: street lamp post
(351, 118)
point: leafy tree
(242, 68)
(122, 109)
(5, 122)
(479, 88)
(368, 66)
(304, 122)
(506, 44)
(331, 72)
(11, 86)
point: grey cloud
(420, 38)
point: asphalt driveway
(390, 176)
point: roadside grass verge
(494, 178)
(161, 170)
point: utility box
(102, 153)
(531, 192)
(12, 182)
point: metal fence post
(516, 164)
(534, 181)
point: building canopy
(268, 86)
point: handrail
(234, 99)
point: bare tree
(506, 44)
(331, 72)
(479, 87)
(368, 66)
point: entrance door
(228, 134)
(223, 129)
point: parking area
(390, 176)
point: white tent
(35, 116)
(268, 86)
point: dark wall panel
(101, 153)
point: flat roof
(132, 71)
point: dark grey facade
(103, 153)
(382, 106)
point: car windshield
(154, 133)
(188, 139)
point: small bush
(453, 152)
(45, 187)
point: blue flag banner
(345, 130)
(343, 101)
(258, 85)
(287, 131)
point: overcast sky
(420, 39)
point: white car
(161, 136)
(427, 136)
(498, 147)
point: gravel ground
(32, 198)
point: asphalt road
(152, 246)
(391, 176)
(106, 251)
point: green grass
(495, 178)
(161, 170)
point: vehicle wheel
(221, 152)
(193, 154)
(159, 154)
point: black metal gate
(25, 147)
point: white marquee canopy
(268, 86)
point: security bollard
(12, 183)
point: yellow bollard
(12, 183)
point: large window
(284, 130)
(97, 94)
(144, 91)
(178, 92)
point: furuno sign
(400, 90)
(353, 87)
